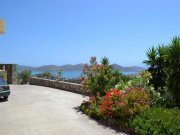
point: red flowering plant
(110, 103)
(124, 105)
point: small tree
(25, 76)
(99, 78)
(45, 75)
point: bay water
(74, 74)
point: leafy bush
(46, 75)
(25, 76)
(136, 100)
(157, 121)
(161, 100)
(139, 81)
(124, 105)
(3, 75)
(99, 78)
(92, 107)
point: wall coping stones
(67, 86)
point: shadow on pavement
(3, 100)
(104, 124)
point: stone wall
(72, 87)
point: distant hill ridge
(77, 67)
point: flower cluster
(122, 105)
(109, 100)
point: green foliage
(140, 81)
(25, 76)
(94, 111)
(105, 61)
(156, 62)
(164, 66)
(3, 75)
(174, 69)
(161, 100)
(99, 78)
(122, 86)
(92, 107)
(46, 75)
(125, 78)
(157, 121)
(137, 100)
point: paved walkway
(36, 110)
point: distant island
(77, 67)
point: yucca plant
(161, 67)
(173, 58)
(151, 55)
(105, 61)
(156, 62)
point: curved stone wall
(72, 87)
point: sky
(58, 32)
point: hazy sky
(44, 32)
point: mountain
(127, 69)
(47, 68)
(67, 67)
(72, 67)
(20, 68)
(77, 67)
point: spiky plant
(152, 66)
(105, 61)
(174, 69)
(157, 67)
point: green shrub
(139, 81)
(92, 107)
(161, 100)
(84, 106)
(95, 111)
(25, 76)
(136, 100)
(3, 75)
(46, 75)
(157, 121)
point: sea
(75, 74)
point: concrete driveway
(36, 110)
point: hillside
(78, 67)
(127, 69)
